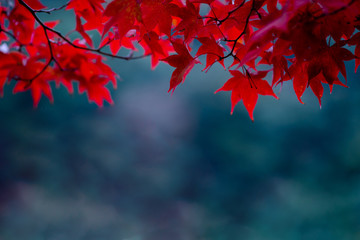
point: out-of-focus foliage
(305, 42)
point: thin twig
(231, 53)
(52, 58)
(48, 11)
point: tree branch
(52, 58)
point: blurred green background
(156, 166)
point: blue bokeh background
(161, 166)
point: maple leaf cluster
(303, 41)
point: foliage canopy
(302, 41)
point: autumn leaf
(156, 47)
(247, 87)
(39, 85)
(22, 23)
(81, 30)
(96, 90)
(163, 10)
(90, 10)
(122, 14)
(182, 61)
(191, 23)
(8, 63)
(214, 52)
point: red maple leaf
(163, 10)
(156, 47)
(123, 14)
(22, 23)
(213, 50)
(90, 10)
(39, 85)
(246, 88)
(8, 62)
(96, 90)
(183, 62)
(191, 23)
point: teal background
(161, 166)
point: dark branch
(52, 58)
(48, 11)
